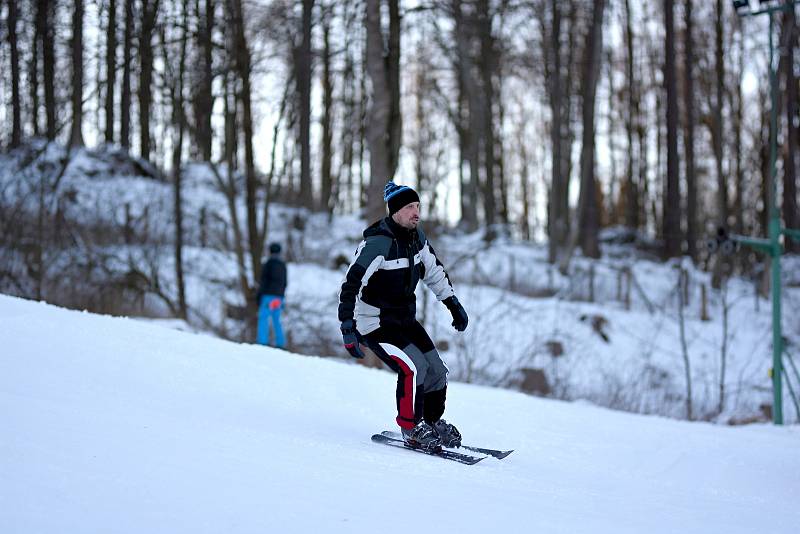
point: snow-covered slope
(115, 425)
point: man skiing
(377, 307)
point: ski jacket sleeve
(368, 258)
(435, 276)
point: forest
(550, 118)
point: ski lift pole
(771, 246)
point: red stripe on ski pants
(405, 404)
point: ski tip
(503, 454)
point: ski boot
(448, 434)
(422, 436)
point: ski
(489, 452)
(447, 455)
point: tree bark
(465, 119)
(487, 64)
(179, 120)
(328, 202)
(671, 207)
(789, 205)
(149, 15)
(76, 136)
(49, 65)
(688, 139)
(631, 196)
(383, 127)
(125, 99)
(33, 67)
(111, 68)
(556, 220)
(588, 205)
(203, 100)
(241, 53)
(16, 105)
(303, 59)
(719, 68)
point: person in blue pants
(271, 293)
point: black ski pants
(406, 349)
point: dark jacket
(380, 283)
(273, 278)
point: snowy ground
(117, 425)
(525, 317)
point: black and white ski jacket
(380, 283)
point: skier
(270, 297)
(377, 307)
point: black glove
(460, 318)
(351, 338)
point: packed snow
(119, 425)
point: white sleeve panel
(435, 275)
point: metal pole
(774, 237)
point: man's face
(407, 216)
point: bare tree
(588, 205)
(76, 136)
(559, 70)
(718, 126)
(111, 68)
(688, 138)
(384, 125)
(672, 202)
(46, 11)
(303, 59)
(179, 122)
(632, 185)
(791, 216)
(240, 53)
(148, 26)
(16, 103)
(125, 99)
(327, 200)
(203, 96)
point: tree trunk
(204, 97)
(688, 139)
(33, 67)
(241, 54)
(588, 205)
(719, 67)
(76, 136)
(125, 99)
(631, 188)
(328, 202)
(487, 65)
(737, 150)
(672, 201)
(16, 105)
(303, 60)
(382, 126)
(149, 14)
(556, 220)
(468, 131)
(789, 205)
(111, 68)
(178, 119)
(49, 66)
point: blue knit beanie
(398, 196)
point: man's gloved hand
(351, 338)
(460, 318)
